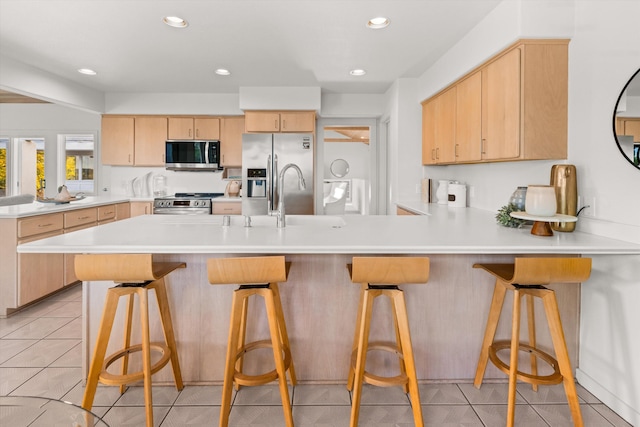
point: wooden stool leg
(146, 354)
(356, 335)
(242, 337)
(100, 348)
(237, 303)
(400, 345)
(532, 337)
(513, 360)
(282, 327)
(497, 302)
(400, 313)
(274, 329)
(167, 328)
(127, 339)
(562, 355)
(363, 327)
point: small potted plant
(504, 218)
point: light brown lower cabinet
(226, 208)
(25, 278)
(401, 211)
(123, 211)
(140, 208)
(39, 274)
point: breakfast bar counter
(447, 315)
(442, 231)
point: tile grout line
(173, 403)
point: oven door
(181, 211)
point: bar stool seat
(380, 276)
(134, 274)
(257, 276)
(527, 277)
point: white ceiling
(262, 42)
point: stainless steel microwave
(192, 155)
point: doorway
(347, 165)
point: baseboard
(631, 415)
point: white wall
(405, 136)
(46, 117)
(27, 80)
(226, 104)
(603, 54)
(46, 121)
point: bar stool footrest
(118, 379)
(369, 378)
(551, 379)
(253, 380)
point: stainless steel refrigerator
(263, 157)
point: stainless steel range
(184, 204)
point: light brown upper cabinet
(194, 128)
(629, 126)
(151, 135)
(513, 107)
(439, 117)
(501, 107)
(231, 132)
(468, 133)
(133, 140)
(117, 140)
(280, 121)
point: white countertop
(443, 231)
(39, 208)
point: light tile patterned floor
(40, 356)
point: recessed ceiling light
(223, 72)
(358, 72)
(378, 23)
(174, 21)
(87, 71)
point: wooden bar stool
(380, 276)
(256, 276)
(135, 274)
(526, 277)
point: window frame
(61, 176)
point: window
(4, 168)
(79, 163)
(32, 166)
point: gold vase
(563, 179)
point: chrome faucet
(280, 184)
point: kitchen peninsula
(447, 314)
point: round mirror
(339, 168)
(626, 120)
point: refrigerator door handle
(274, 185)
(268, 189)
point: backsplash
(114, 180)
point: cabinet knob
(482, 142)
(275, 124)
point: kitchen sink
(322, 221)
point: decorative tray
(60, 202)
